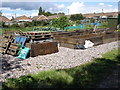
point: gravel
(12, 67)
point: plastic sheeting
(88, 44)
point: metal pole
(68, 11)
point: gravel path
(65, 58)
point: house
(101, 15)
(54, 16)
(5, 20)
(22, 19)
(90, 15)
(39, 18)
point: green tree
(77, 17)
(61, 13)
(47, 14)
(41, 11)
(60, 22)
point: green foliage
(77, 17)
(60, 22)
(48, 14)
(40, 23)
(41, 11)
(22, 82)
(14, 25)
(2, 24)
(78, 22)
(104, 24)
(28, 24)
(92, 20)
(84, 76)
(61, 13)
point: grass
(15, 29)
(88, 75)
(118, 30)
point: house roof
(4, 19)
(39, 18)
(88, 15)
(53, 16)
(22, 18)
(108, 14)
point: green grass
(88, 75)
(118, 30)
(113, 55)
(22, 29)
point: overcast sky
(19, 8)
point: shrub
(77, 17)
(60, 22)
(14, 25)
(22, 82)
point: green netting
(75, 27)
(119, 19)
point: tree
(77, 17)
(41, 11)
(61, 13)
(60, 22)
(47, 14)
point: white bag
(88, 44)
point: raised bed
(42, 48)
(79, 38)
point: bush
(78, 22)
(14, 25)
(22, 82)
(105, 25)
(77, 17)
(60, 22)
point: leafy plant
(60, 22)
(77, 17)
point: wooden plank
(72, 46)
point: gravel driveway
(65, 58)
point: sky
(29, 8)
